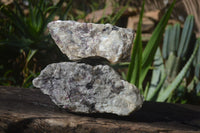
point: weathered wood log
(30, 111)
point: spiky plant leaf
(152, 45)
(165, 49)
(165, 93)
(177, 30)
(136, 57)
(158, 75)
(186, 36)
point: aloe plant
(165, 93)
(158, 77)
(141, 61)
(174, 55)
(166, 75)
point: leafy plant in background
(27, 32)
(170, 75)
(141, 61)
(194, 86)
(29, 29)
(113, 18)
(91, 6)
(26, 72)
(167, 92)
(167, 78)
(27, 41)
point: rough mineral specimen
(80, 87)
(82, 40)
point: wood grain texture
(30, 111)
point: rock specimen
(80, 87)
(88, 85)
(82, 40)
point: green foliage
(165, 93)
(27, 47)
(112, 19)
(138, 70)
(158, 77)
(167, 76)
(134, 70)
(26, 32)
(152, 45)
(27, 42)
(167, 81)
(27, 73)
(186, 36)
(172, 35)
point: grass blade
(118, 15)
(65, 13)
(150, 50)
(16, 20)
(19, 10)
(30, 55)
(136, 57)
(53, 12)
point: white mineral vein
(82, 40)
(80, 87)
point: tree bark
(30, 111)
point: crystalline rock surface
(82, 40)
(83, 88)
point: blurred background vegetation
(172, 75)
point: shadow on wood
(30, 111)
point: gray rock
(80, 87)
(82, 40)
